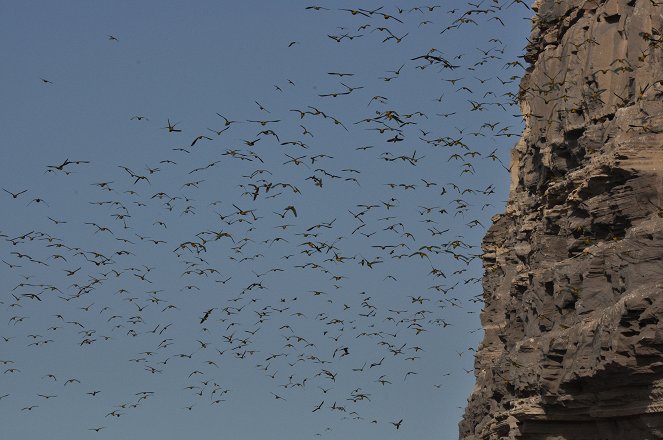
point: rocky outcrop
(573, 289)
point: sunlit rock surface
(573, 290)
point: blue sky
(101, 282)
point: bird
(200, 137)
(206, 315)
(355, 12)
(172, 127)
(66, 163)
(15, 195)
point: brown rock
(573, 289)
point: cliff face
(573, 289)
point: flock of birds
(307, 272)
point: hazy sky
(333, 239)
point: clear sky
(308, 271)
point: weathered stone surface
(573, 290)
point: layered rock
(573, 290)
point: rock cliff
(573, 285)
